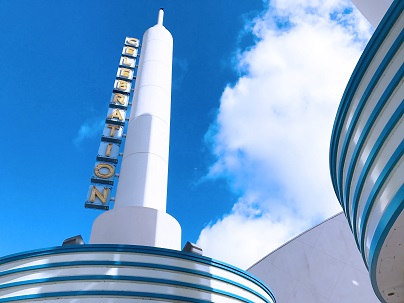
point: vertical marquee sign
(102, 181)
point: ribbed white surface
(140, 275)
(369, 181)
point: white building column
(139, 216)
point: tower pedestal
(136, 225)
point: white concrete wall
(322, 265)
(373, 10)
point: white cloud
(89, 129)
(273, 128)
(180, 67)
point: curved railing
(367, 148)
(99, 273)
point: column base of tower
(135, 225)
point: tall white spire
(144, 169)
(160, 17)
(139, 216)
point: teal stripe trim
(111, 248)
(362, 139)
(393, 210)
(358, 111)
(380, 182)
(90, 278)
(50, 266)
(127, 294)
(371, 49)
(391, 124)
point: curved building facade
(366, 155)
(124, 273)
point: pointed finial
(160, 17)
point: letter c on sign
(101, 174)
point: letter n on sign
(98, 197)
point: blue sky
(248, 89)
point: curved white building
(135, 255)
(366, 155)
(123, 274)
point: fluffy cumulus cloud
(272, 131)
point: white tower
(143, 262)
(139, 216)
